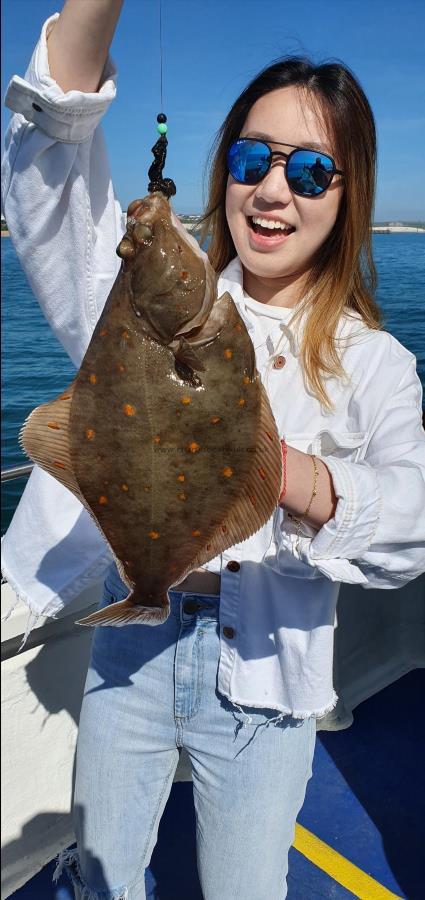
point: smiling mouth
(273, 228)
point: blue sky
(212, 48)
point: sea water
(36, 368)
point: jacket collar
(231, 280)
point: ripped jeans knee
(69, 861)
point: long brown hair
(343, 275)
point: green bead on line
(162, 128)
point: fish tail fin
(126, 612)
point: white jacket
(65, 223)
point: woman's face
(283, 115)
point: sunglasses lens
(248, 161)
(309, 173)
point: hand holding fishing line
(78, 43)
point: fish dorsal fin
(44, 437)
(260, 495)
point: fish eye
(142, 232)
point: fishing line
(160, 52)
(157, 182)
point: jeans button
(190, 606)
(233, 566)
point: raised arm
(79, 41)
(62, 214)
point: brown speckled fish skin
(166, 434)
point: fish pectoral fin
(213, 326)
(127, 613)
(184, 353)
(44, 437)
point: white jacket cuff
(69, 117)
(351, 531)
(335, 547)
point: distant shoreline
(392, 229)
(376, 229)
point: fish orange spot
(241, 401)
(92, 378)
(173, 568)
(147, 488)
(186, 400)
(227, 353)
(227, 471)
(270, 436)
(253, 499)
(180, 477)
(129, 409)
(65, 396)
(58, 464)
(103, 333)
(154, 535)
(193, 447)
(120, 367)
(246, 379)
(224, 528)
(215, 419)
(124, 487)
(53, 425)
(262, 473)
(208, 547)
(103, 500)
(238, 326)
(196, 532)
(89, 434)
(178, 412)
(182, 496)
(157, 439)
(184, 276)
(125, 335)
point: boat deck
(359, 832)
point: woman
(242, 668)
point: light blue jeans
(149, 692)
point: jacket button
(279, 362)
(37, 107)
(233, 566)
(228, 632)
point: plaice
(165, 435)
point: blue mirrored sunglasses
(308, 172)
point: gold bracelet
(299, 521)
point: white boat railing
(20, 471)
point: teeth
(271, 223)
